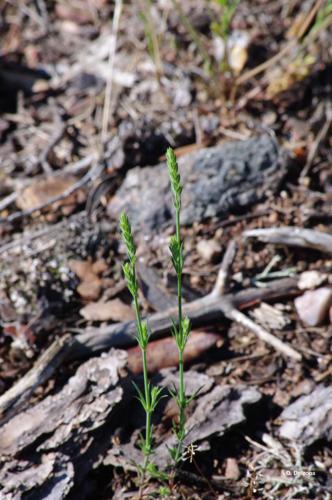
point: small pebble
(209, 250)
(313, 306)
(232, 470)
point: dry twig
(233, 314)
(293, 236)
(223, 274)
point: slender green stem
(182, 390)
(179, 275)
(182, 408)
(149, 411)
(137, 312)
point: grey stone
(216, 181)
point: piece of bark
(195, 381)
(128, 454)
(84, 404)
(293, 236)
(309, 418)
(219, 410)
(52, 478)
(164, 353)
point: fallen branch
(204, 311)
(209, 309)
(201, 312)
(293, 236)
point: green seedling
(151, 395)
(222, 27)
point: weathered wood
(42, 370)
(82, 405)
(216, 181)
(67, 433)
(201, 312)
(309, 418)
(293, 236)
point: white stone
(311, 279)
(208, 249)
(312, 307)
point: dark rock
(216, 181)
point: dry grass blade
(111, 57)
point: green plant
(181, 328)
(222, 26)
(323, 19)
(151, 395)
